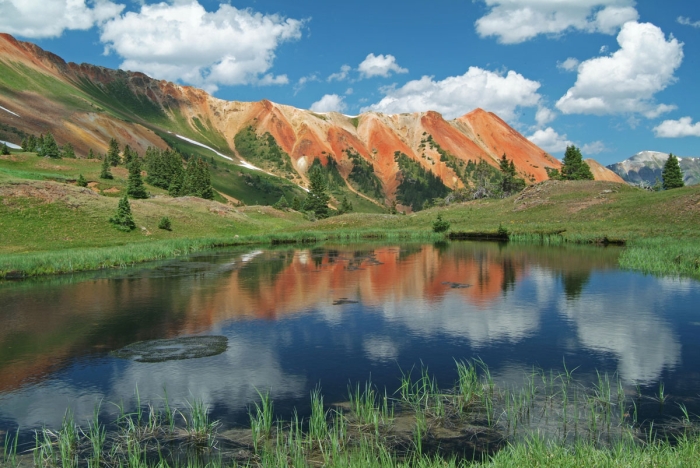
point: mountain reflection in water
(334, 314)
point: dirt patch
(535, 195)
(49, 165)
(47, 192)
(579, 206)
(112, 190)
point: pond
(290, 320)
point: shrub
(440, 225)
(165, 223)
(81, 182)
(123, 220)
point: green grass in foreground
(475, 423)
(662, 229)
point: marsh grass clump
(552, 419)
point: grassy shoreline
(552, 420)
(48, 225)
(658, 256)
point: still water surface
(332, 315)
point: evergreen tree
(165, 224)
(49, 148)
(123, 220)
(81, 182)
(317, 200)
(39, 144)
(282, 204)
(135, 189)
(510, 183)
(345, 206)
(440, 225)
(5, 150)
(128, 155)
(176, 186)
(31, 144)
(91, 154)
(113, 153)
(197, 181)
(672, 175)
(68, 151)
(106, 172)
(25, 144)
(574, 167)
(296, 205)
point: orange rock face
(601, 172)
(476, 136)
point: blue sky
(613, 77)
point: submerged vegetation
(548, 420)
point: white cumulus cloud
(549, 140)
(594, 147)
(379, 65)
(341, 75)
(682, 127)
(49, 18)
(457, 95)
(544, 115)
(684, 20)
(182, 41)
(329, 103)
(570, 64)
(514, 21)
(626, 81)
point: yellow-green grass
(41, 209)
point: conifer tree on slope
(113, 153)
(197, 181)
(672, 175)
(574, 167)
(123, 220)
(135, 189)
(317, 200)
(106, 172)
(49, 148)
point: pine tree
(106, 172)
(5, 150)
(68, 151)
(672, 175)
(113, 153)
(176, 186)
(49, 148)
(81, 182)
(123, 220)
(25, 144)
(296, 205)
(128, 155)
(574, 167)
(345, 206)
(135, 188)
(197, 181)
(282, 203)
(510, 183)
(317, 200)
(31, 144)
(91, 154)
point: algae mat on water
(189, 347)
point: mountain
(601, 172)
(376, 158)
(644, 168)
